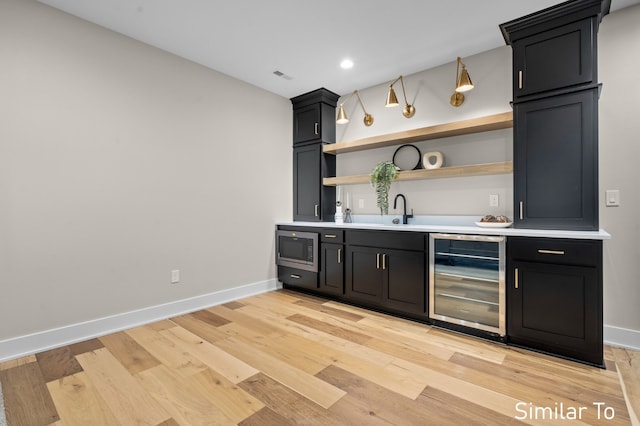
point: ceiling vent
(283, 75)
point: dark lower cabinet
(298, 278)
(404, 281)
(554, 297)
(390, 279)
(364, 274)
(331, 269)
(553, 285)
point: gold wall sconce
(463, 84)
(392, 100)
(342, 115)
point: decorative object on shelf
(463, 84)
(381, 177)
(407, 157)
(432, 160)
(342, 115)
(392, 100)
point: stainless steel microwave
(297, 250)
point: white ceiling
(306, 40)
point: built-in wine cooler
(467, 281)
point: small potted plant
(381, 177)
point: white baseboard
(37, 342)
(622, 337)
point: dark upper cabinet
(555, 59)
(555, 49)
(314, 117)
(556, 162)
(306, 124)
(312, 201)
(554, 294)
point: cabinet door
(313, 202)
(556, 309)
(364, 274)
(555, 162)
(554, 59)
(332, 268)
(404, 280)
(306, 183)
(306, 124)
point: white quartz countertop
(456, 225)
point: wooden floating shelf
(475, 125)
(444, 172)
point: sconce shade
(392, 99)
(464, 83)
(342, 116)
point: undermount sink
(417, 220)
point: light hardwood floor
(287, 358)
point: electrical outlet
(361, 203)
(494, 200)
(175, 276)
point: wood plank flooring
(286, 358)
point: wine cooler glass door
(467, 280)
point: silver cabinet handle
(520, 79)
(521, 210)
(377, 260)
(339, 255)
(297, 277)
(516, 277)
(558, 252)
(316, 128)
(330, 236)
(384, 261)
(315, 210)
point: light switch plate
(612, 197)
(494, 200)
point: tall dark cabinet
(554, 286)
(313, 125)
(555, 101)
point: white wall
(619, 143)
(619, 38)
(120, 162)
(429, 91)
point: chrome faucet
(405, 216)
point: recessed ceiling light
(346, 64)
